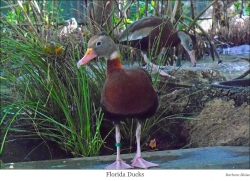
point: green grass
(51, 94)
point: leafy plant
(246, 9)
(237, 5)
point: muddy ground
(214, 116)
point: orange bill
(89, 55)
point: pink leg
(154, 67)
(119, 163)
(138, 161)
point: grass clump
(49, 93)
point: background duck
(144, 33)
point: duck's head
(188, 43)
(100, 45)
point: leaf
(53, 49)
(128, 21)
(152, 144)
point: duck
(69, 26)
(127, 93)
(143, 33)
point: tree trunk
(177, 12)
(156, 8)
(217, 15)
(101, 19)
(168, 9)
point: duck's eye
(191, 45)
(98, 43)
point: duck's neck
(175, 39)
(183, 36)
(113, 64)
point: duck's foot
(118, 164)
(166, 74)
(141, 163)
(155, 68)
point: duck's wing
(140, 29)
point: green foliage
(143, 9)
(51, 95)
(11, 17)
(186, 9)
(237, 5)
(51, 12)
(134, 14)
(180, 26)
(246, 9)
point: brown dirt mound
(220, 123)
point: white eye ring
(99, 43)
